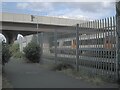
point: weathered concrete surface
(23, 75)
(27, 18)
(0, 76)
(0, 81)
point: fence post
(41, 43)
(118, 39)
(77, 46)
(55, 44)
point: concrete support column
(10, 36)
(118, 39)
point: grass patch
(18, 55)
(47, 66)
(82, 75)
(62, 66)
(5, 82)
(70, 70)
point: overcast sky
(75, 10)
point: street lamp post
(32, 19)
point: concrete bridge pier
(10, 36)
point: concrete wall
(16, 17)
(24, 18)
(24, 41)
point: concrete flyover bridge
(13, 24)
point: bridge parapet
(26, 18)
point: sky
(72, 10)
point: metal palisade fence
(90, 46)
(98, 47)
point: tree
(15, 50)
(32, 52)
(6, 54)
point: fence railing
(98, 50)
(90, 46)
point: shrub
(32, 52)
(18, 55)
(6, 54)
(15, 50)
(62, 66)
